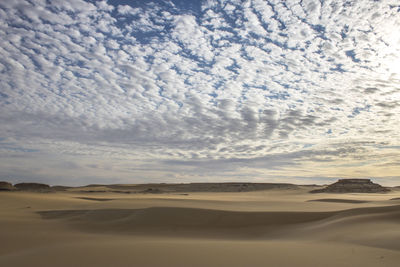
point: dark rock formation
(352, 186)
(6, 186)
(202, 187)
(32, 187)
(152, 191)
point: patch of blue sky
(338, 68)
(4, 96)
(357, 110)
(352, 54)
(234, 67)
(278, 96)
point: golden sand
(277, 227)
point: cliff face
(32, 187)
(6, 186)
(353, 186)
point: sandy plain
(275, 227)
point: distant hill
(341, 186)
(6, 186)
(352, 186)
(32, 187)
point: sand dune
(189, 222)
(339, 200)
(96, 199)
(274, 227)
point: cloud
(234, 82)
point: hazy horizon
(180, 91)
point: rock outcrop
(6, 186)
(352, 186)
(32, 187)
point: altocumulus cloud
(146, 91)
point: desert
(217, 224)
(199, 133)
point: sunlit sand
(275, 227)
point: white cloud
(235, 82)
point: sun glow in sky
(180, 91)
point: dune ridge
(95, 198)
(209, 223)
(339, 200)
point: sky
(199, 91)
